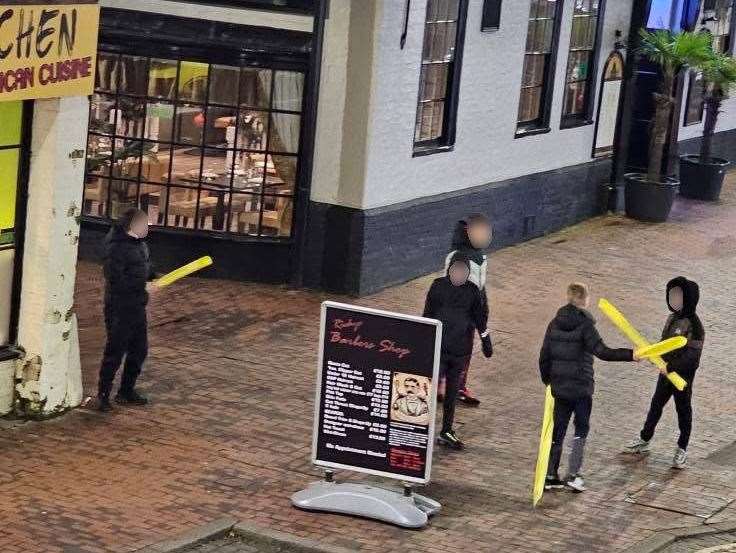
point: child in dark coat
(566, 363)
(682, 299)
(457, 303)
(472, 237)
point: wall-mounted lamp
(620, 43)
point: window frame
(491, 16)
(692, 80)
(297, 7)
(446, 142)
(541, 125)
(571, 121)
(242, 63)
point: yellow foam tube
(545, 445)
(660, 348)
(638, 340)
(186, 270)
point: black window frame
(571, 121)
(299, 7)
(446, 141)
(491, 16)
(687, 121)
(541, 125)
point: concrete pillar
(48, 378)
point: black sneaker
(553, 483)
(448, 439)
(467, 398)
(104, 405)
(132, 398)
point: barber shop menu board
(376, 392)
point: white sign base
(407, 510)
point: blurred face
(459, 273)
(675, 298)
(412, 387)
(480, 235)
(139, 227)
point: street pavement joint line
(633, 501)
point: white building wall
(726, 120)
(485, 149)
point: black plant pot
(649, 201)
(702, 181)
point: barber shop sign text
(47, 51)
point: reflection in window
(581, 61)
(695, 105)
(538, 73)
(198, 146)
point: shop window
(539, 66)
(11, 116)
(439, 81)
(579, 78)
(198, 146)
(695, 104)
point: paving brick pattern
(719, 543)
(224, 545)
(231, 375)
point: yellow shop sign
(47, 51)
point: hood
(460, 240)
(690, 294)
(118, 234)
(570, 317)
(458, 257)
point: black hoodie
(127, 269)
(684, 361)
(459, 308)
(566, 359)
(477, 258)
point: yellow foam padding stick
(545, 445)
(660, 348)
(638, 340)
(186, 270)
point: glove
(487, 346)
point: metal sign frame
(432, 403)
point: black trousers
(683, 406)
(452, 367)
(127, 337)
(564, 409)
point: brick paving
(719, 543)
(231, 374)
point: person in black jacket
(128, 273)
(472, 237)
(566, 363)
(457, 303)
(682, 299)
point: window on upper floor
(539, 66)
(577, 106)
(491, 19)
(439, 82)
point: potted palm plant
(701, 176)
(649, 196)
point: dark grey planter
(702, 181)
(649, 201)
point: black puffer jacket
(684, 361)
(566, 359)
(460, 308)
(127, 269)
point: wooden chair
(278, 219)
(95, 192)
(183, 205)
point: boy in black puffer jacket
(127, 273)
(456, 302)
(682, 299)
(566, 363)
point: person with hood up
(457, 303)
(566, 363)
(472, 237)
(682, 299)
(128, 273)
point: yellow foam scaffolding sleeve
(545, 445)
(186, 270)
(660, 348)
(638, 340)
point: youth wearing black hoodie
(127, 269)
(684, 361)
(566, 363)
(478, 262)
(460, 309)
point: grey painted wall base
(361, 500)
(360, 252)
